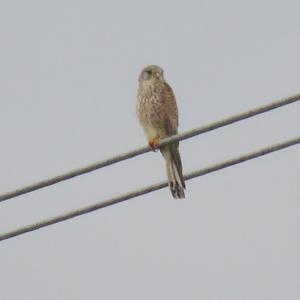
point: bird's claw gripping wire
(153, 144)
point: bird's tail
(174, 170)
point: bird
(158, 115)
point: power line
(148, 189)
(139, 151)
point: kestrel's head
(152, 73)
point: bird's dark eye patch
(147, 74)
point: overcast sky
(68, 75)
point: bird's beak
(157, 74)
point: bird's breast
(150, 110)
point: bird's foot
(153, 144)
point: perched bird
(158, 114)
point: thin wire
(139, 151)
(148, 189)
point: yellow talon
(153, 144)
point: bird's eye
(147, 74)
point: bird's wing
(170, 109)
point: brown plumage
(158, 115)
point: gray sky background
(68, 73)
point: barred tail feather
(174, 171)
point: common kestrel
(158, 114)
